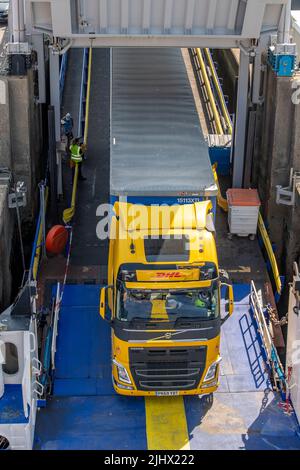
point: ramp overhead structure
(177, 23)
(245, 24)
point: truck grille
(159, 369)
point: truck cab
(163, 299)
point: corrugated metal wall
(155, 18)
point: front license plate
(166, 394)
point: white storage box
(243, 209)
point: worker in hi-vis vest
(77, 155)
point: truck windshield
(201, 304)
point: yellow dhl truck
(163, 300)
(164, 286)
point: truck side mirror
(229, 297)
(103, 298)
(230, 300)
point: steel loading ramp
(85, 412)
(83, 348)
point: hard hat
(68, 116)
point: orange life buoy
(56, 239)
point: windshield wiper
(188, 319)
(138, 319)
(151, 322)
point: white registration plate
(166, 394)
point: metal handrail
(55, 324)
(270, 252)
(261, 321)
(209, 91)
(219, 90)
(26, 374)
(84, 79)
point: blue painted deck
(83, 364)
(11, 406)
(245, 412)
(243, 367)
(92, 423)
(85, 412)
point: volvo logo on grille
(169, 335)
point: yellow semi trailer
(163, 299)
(163, 294)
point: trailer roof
(157, 145)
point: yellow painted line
(159, 309)
(69, 213)
(268, 246)
(219, 90)
(209, 92)
(166, 425)
(222, 202)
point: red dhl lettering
(183, 275)
(168, 275)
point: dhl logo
(169, 275)
(186, 275)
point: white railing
(272, 357)
(55, 324)
(261, 321)
(25, 390)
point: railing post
(55, 324)
(52, 163)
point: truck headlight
(122, 372)
(212, 370)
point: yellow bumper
(143, 393)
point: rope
(59, 299)
(66, 267)
(286, 405)
(272, 315)
(38, 239)
(67, 264)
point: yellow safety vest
(76, 153)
